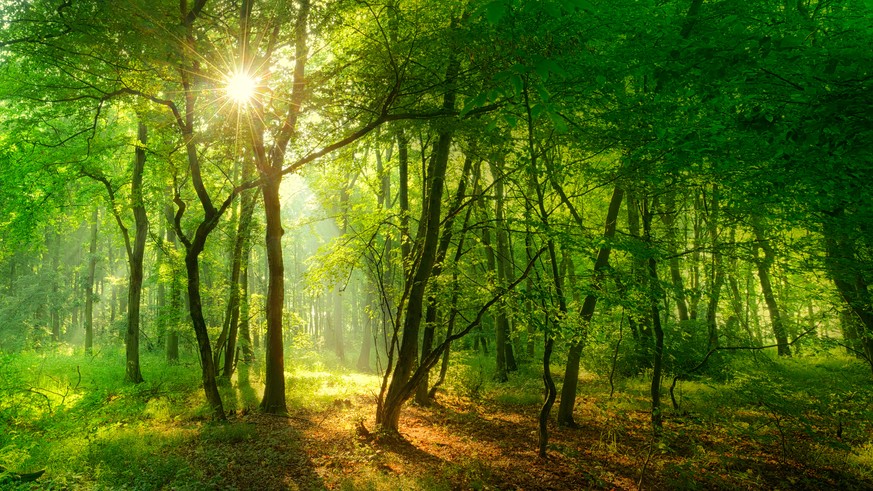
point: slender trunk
(176, 293)
(422, 394)
(367, 338)
(195, 307)
(337, 326)
(135, 261)
(503, 269)
(240, 248)
(89, 284)
(851, 283)
(399, 390)
(245, 335)
(763, 265)
(669, 219)
(403, 197)
(655, 296)
(500, 374)
(54, 242)
(639, 321)
(551, 394)
(571, 372)
(717, 272)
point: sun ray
(241, 87)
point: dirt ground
(462, 444)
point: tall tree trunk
(850, 281)
(669, 219)
(274, 380)
(241, 244)
(270, 168)
(89, 283)
(399, 390)
(571, 372)
(54, 240)
(135, 260)
(422, 394)
(195, 307)
(639, 321)
(338, 324)
(763, 265)
(717, 272)
(176, 293)
(655, 296)
(503, 269)
(245, 335)
(367, 337)
(551, 391)
(500, 373)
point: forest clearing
(467, 244)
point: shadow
(400, 446)
(256, 451)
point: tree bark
(763, 265)
(669, 219)
(655, 295)
(54, 242)
(422, 394)
(503, 269)
(135, 260)
(717, 273)
(240, 248)
(571, 372)
(89, 283)
(850, 281)
(273, 400)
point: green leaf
(473, 103)
(558, 121)
(495, 11)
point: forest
(408, 244)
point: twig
(646, 463)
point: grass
(804, 422)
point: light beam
(241, 88)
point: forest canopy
(569, 213)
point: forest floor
(755, 433)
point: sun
(241, 88)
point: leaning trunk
(571, 373)
(195, 307)
(769, 297)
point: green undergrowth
(72, 414)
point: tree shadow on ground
(255, 451)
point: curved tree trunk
(135, 260)
(571, 372)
